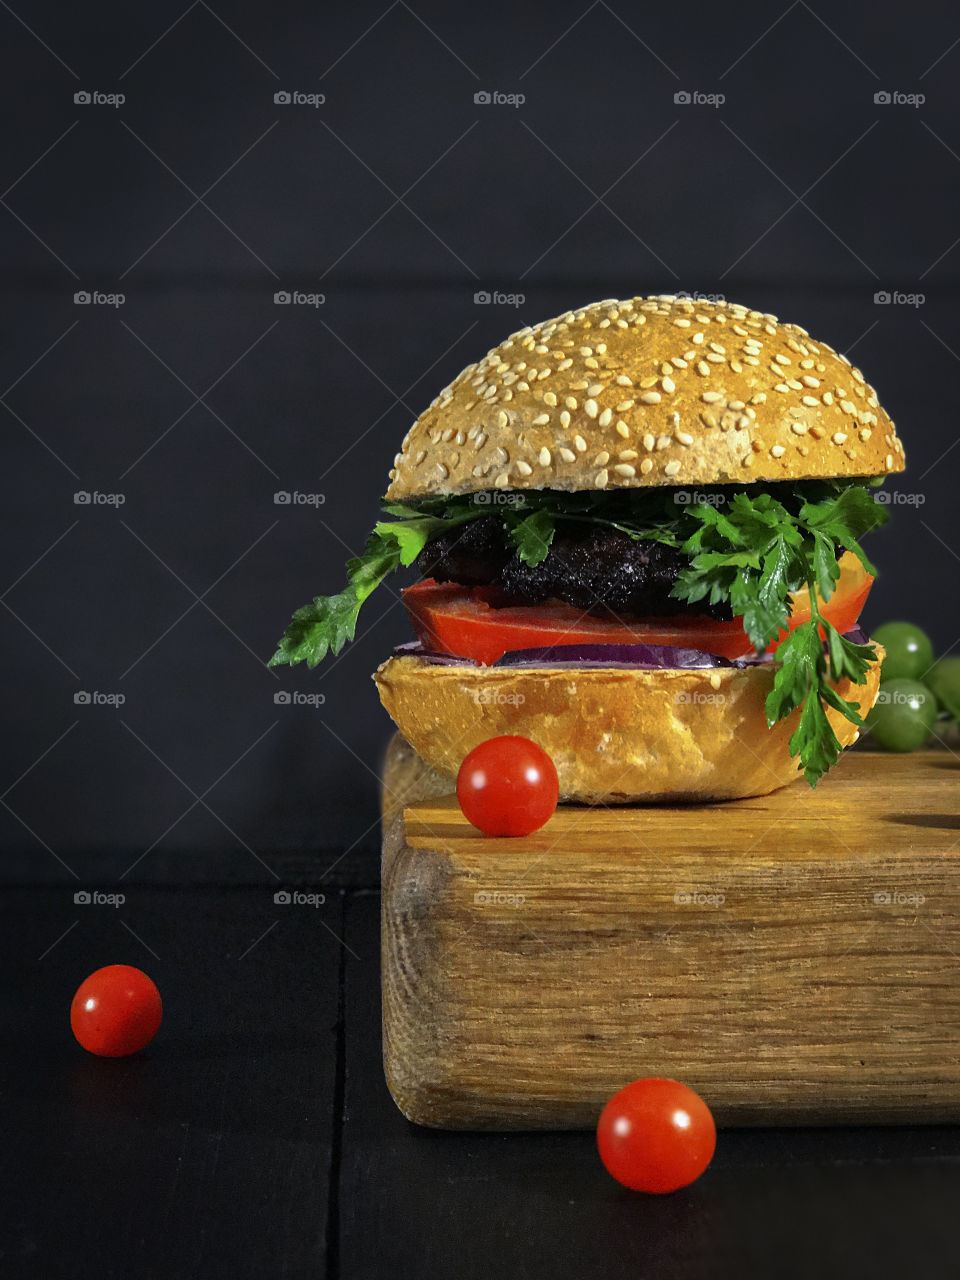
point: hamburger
(637, 532)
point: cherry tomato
(507, 786)
(116, 1011)
(656, 1135)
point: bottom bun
(615, 735)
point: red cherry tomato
(656, 1135)
(116, 1011)
(507, 786)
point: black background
(256, 1137)
(397, 199)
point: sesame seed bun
(615, 735)
(647, 392)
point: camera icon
(281, 698)
(82, 898)
(81, 498)
(681, 497)
(82, 98)
(82, 298)
(282, 897)
(682, 97)
(481, 298)
(282, 498)
(483, 898)
(681, 698)
(682, 898)
(82, 698)
(281, 298)
(882, 298)
(482, 497)
(282, 98)
(482, 98)
(882, 97)
(882, 899)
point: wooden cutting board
(794, 958)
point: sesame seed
(579, 444)
(799, 427)
(420, 457)
(541, 419)
(648, 382)
(811, 401)
(601, 478)
(549, 397)
(625, 469)
(685, 437)
(703, 368)
(865, 434)
(602, 458)
(857, 375)
(571, 402)
(524, 468)
(564, 364)
(663, 442)
(782, 386)
(586, 351)
(650, 397)
(591, 408)
(545, 458)
(646, 466)
(595, 389)
(782, 359)
(838, 437)
(708, 419)
(628, 453)
(682, 323)
(564, 418)
(591, 363)
(625, 406)
(605, 418)
(809, 381)
(623, 380)
(567, 454)
(711, 397)
(672, 468)
(443, 469)
(714, 358)
(668, 385)
(715, 346)
(480, 441)
(648, 442)
(698, 338)
(715, 680)
(889, 462)
(827, 397)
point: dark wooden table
(256, 1137)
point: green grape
(903, 716)
(909, 651)
(943, 679)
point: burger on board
(638, 527)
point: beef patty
(595, 568)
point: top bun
(646, 392)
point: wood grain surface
(795, 958)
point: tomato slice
(464, 621)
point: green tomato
(909, 651)
(903, 715)
(943, 679)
